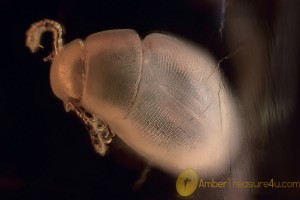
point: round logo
(187, 182)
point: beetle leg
(142, 179)
(99, 132)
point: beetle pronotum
(163, 97)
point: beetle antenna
(34, 33)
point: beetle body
(161, 96)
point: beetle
(164, 97)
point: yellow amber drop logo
(187, 182)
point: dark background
(45, 153)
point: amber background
(45, 153)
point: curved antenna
(34, 33)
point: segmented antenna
(34, 33)
(100, 133)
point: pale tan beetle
(162, 96)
